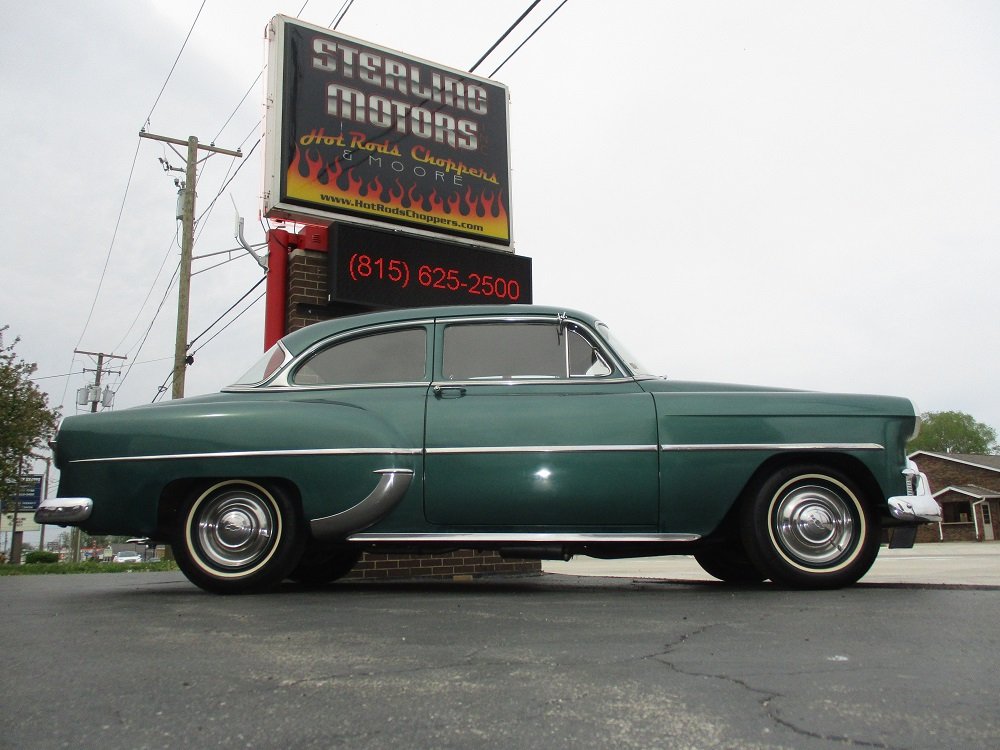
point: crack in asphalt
(767, 695)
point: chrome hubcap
(814, 524)
(235, 528)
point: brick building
(967, 487)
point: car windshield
(265, 367)
(623, 351)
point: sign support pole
(16, 536)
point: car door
(365, 390)
(530, 422)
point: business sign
(363, 134)
(389, 269)
(27, 495)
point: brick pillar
(307, 304)
(306, 289)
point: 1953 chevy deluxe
(524, 429)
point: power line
(233, 114)
(245, 295)
(504, 36)
(63, 375)
(165, 385)
(537, 29)
(148, 293)
(172, 67)
(235, 318)
(340, 14)
(150, 328)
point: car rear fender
(146, 461)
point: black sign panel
(386, 269)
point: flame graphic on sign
(334, 187)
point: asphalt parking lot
(146, 660)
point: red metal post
(278, 241)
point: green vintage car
(524, 429)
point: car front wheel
(238, 536)
(810, 526)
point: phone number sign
(385, 269)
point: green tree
(26, 421)
(953, 432)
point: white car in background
(127, 557)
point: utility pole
(93, 393)
(89, 394)
(181, 360)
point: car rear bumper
(64, 510)
(919, 507)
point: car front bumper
(63, 511)
(919, 507)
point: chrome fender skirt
(391, 487)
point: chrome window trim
(509, 537)
(259, 454)
(350, 386)
(680, 447)
(499, 318)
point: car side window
(389, 357)
(505, 351)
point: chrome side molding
(526, 537)
(390, 489)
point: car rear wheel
(238, 536)
(809, 526)
(729, 563)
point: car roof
(300, 340)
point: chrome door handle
(449, 391)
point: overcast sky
(785, 193)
